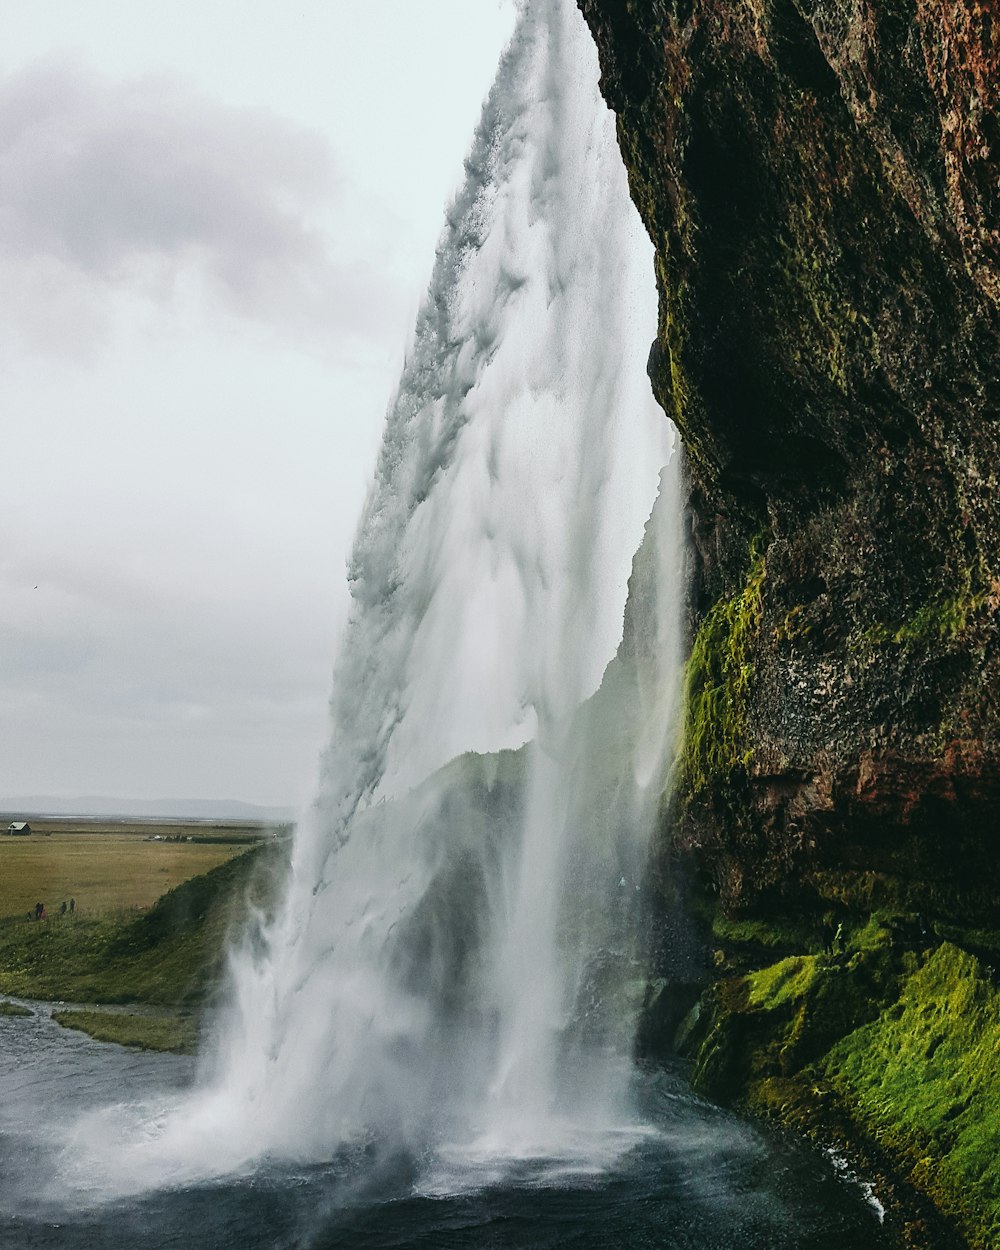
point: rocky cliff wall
(820, 180)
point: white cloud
(110, 187)
(204, 309)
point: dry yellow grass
(104, 871)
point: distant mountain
(144, 809)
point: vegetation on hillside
(169, 956)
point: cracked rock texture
(820, 180)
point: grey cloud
(107, 185)
(174, 693)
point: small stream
(698, 1178)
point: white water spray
(455, 959)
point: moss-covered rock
(719, 674)
(819, 179)
(923, 1079)
(813, 175)
(887, 1049)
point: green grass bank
(176, 1032)
(170, 956)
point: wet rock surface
(820, 181)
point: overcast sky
(216, 222)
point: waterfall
(456, 963)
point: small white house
(19, 829)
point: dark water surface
(700, 1180)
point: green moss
(770, 935)
(166, 1033)
(876, 934)
(823, 324)
(982, 942)
(14, 1009)
(674, 315)
(784, 982)
(717, 688)
(823, 329)
(795, 625)
(811, 1002)
(862, 892)
(946, 616)
(924, 1081)
(893, 1049)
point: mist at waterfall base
(430, 1042)
(462, 899)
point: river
(697, 1178)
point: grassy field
(107, 868)
(152, 922)
(169, 955)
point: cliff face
(820, 180)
